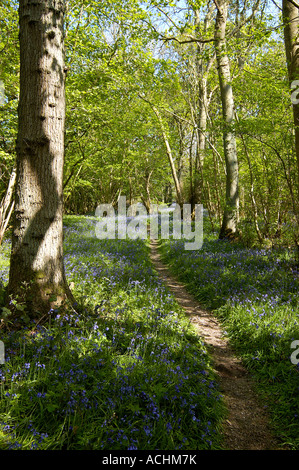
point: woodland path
(247, 423)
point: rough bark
(231, 211)
(290, 14)
(37, 272)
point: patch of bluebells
(4, 263)
(222, 273)
(11, 441)
(122, 371)
(255, 294)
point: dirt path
(247, 425)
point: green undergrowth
(254, 292)
(123, 369)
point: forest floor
(247, 425)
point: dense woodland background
(142, 88)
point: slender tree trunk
(7, 205)
(201, 139)
(148, 175)
(168, 151)
(252, 197)
(202, 119)
(202, 72)
(36, 272)
(217, 212)
(170, 158)
(231, 211)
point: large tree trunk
(231, 211)
(36, 271)
(290, 15)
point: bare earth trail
(246, 427)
